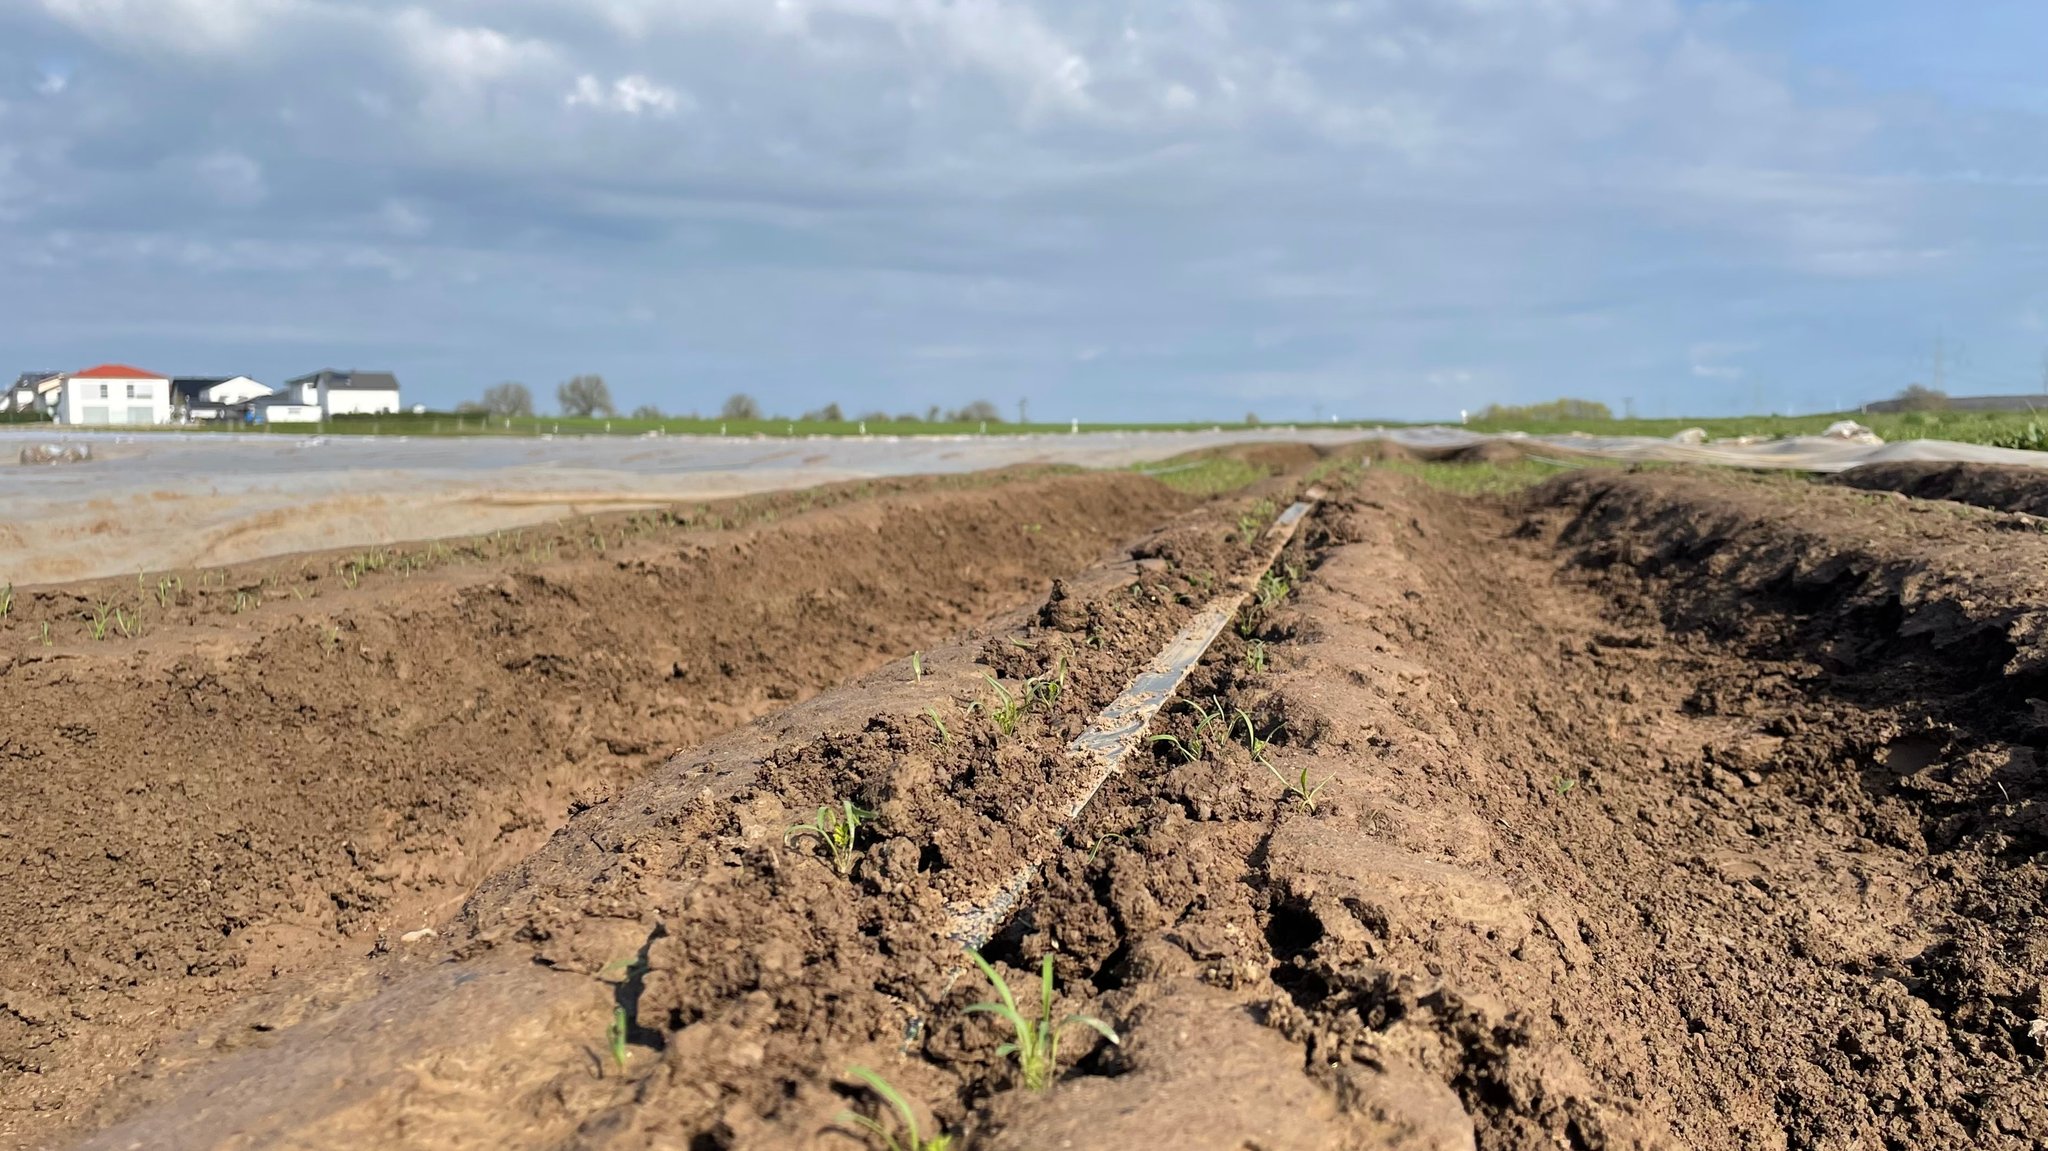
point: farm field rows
(1523, 806)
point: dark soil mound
(2005, 487)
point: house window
(131, 391)
(103, 391)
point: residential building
(338, 393)
(284, 408)
(214, 397)
(110, 394)
(23, 396)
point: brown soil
(230, 796)
(2003, 487)
(1663, 809)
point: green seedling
(1043, 692)
(1190, 750)
(1252, 523)
(1193, 746)
(7, 601)
(1104, 840)
(1035, 1043)
(616, 1034)
(1255, 656)
(1008, 711)
(168, 589)
(1272, 589)
(1299, 787)
(945, 736)
(1565, 785)
(835, 829)
(243, 602)
(102, 618)
(911, 1139)
(1252, 739)
(917, 666)
(1266, 595)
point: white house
(336, 393)
(111, 394)
(214, 397)
(278, 409)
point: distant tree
(931, 414)
(1920, 398)
(1251, 419)
(979, 411)
(585, 396)
(875, 417)
(829, 414)
(1555, 411)
(510, 398)
(647, 412)
(911, 418)
(740, 406)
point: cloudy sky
(1122, 209)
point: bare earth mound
(1649, 810)
(309, 757)
(2002, 487)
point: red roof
(115, 372)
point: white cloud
(465, 55)
(1709, 361)
(192, 26)
(234, 179)
(53, 81)
(403, 220)
(630, 95)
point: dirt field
(1658, 809)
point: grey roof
(349, 381)
(191, 387)
(31, 379)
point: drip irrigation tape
(1117, 731)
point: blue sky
(1178, 209)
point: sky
(1113, 210)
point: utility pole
(1628, 407)
(1023, 410)
(1940, 356)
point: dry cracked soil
(1639, 808)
